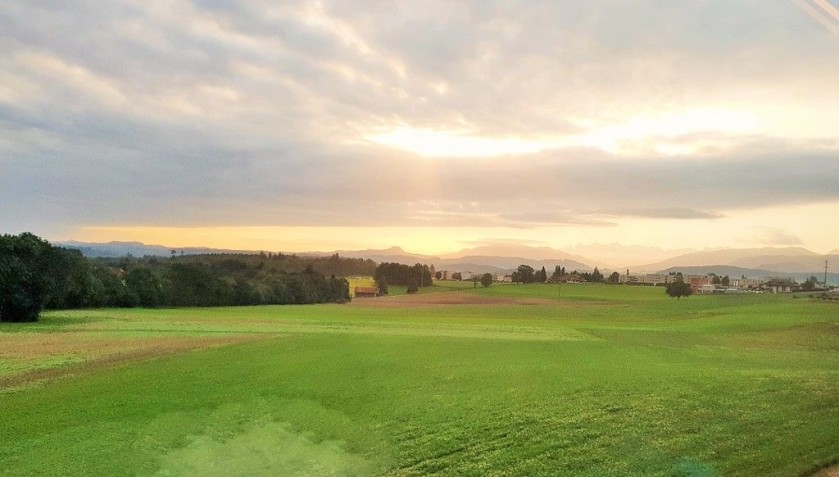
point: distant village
(699, 284)
(710, 284)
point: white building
(648, 279)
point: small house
(366, 292)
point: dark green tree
(197, 284)
(596, 276)
(243, 294)
(614, 277)
(26, 276)
(678, 289)
(541, 276)
(810, 284)
(412, 286)
(422, 274)
(382, 284)
(524, 274)
(486, 279)
(400, 274)
(339, 290)
(726, 281)
(74, 285)
(143, 283)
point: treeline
(398, 274)
(223, 279)
(206, 281)
(36, 275)
(527, 274)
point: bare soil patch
(447, 298)
(832, 471)
(95, 352)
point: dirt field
(33, 357)
(828, 472)
(448, 298)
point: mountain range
(795, 262)
(484, 259)
(137, 249)
(776, 259)
(736, 272)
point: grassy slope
(608, 381)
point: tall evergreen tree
(541, 276)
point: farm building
(366, 292)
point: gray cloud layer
(242, 113)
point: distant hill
(464, 261)
(459, 262)
(776, 259)
(721, 270)
(483, 259)
(736, 272)
(525, 252)
(136, 249)
(475, 268)
(503, 258)
(790, 264)
(511, 263)
(392, 255)
(621, 257)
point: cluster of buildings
(496, 277)
(701, 284)
(705, 283)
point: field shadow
(47, 323)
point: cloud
(663, 213)
(253, 112)
(822, 12)
(777, 236)
(495, 241)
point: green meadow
(513, 380)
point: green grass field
(582, 380)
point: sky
(432, 125)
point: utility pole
(825, 275)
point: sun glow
(815, 224)
(457, 143)
(285, 238)
(667, 134)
